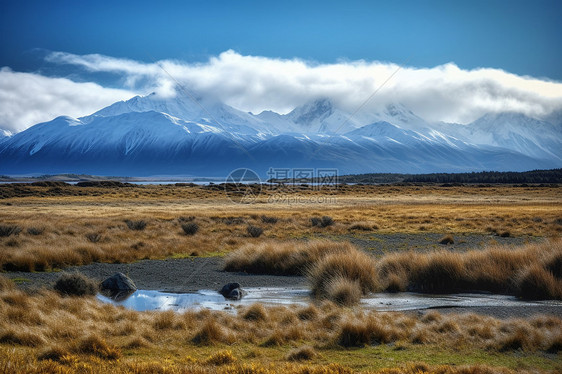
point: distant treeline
(486, 177)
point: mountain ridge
(149, 135)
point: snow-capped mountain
(150, 135)
(513, 131)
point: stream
(143, 300)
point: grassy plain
(51, 227)
(70, 225)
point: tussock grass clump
(289, 258)
(190, 228)
(528, 271)
(7, 230)
(254, 231)
(93, 237)
(304, 353)
(324, 221)
(210, 333)
(440, 273)
(343, 291)
(355, 334)
(221, 358)
(35, 230)
(136, 225)
(75, 284)
(269, 219)
(553, 263)
(354, 265)
(361, 226)
(308, 313)
(96, 346)
(255, 312)
(447, 239)
(55, 353)
(537, 283)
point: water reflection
(142, 300)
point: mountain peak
(314, 111)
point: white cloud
(27, 98)
(254, 83)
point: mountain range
(196, 136)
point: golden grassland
(62, 226)
(54, 227)
(48, 333)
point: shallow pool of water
(142, 300)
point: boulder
(118, 286)
(232, 291)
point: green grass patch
(20, 280)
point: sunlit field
(62, 226)
(284, 231)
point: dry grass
(190, 228)
(343, 290)
(254, 231)
(63, 242)
(282, 258)
(74, 284)
(339, 271)
(447, 239)
(526, 271)
(45, 332)
(345, 270)
(304, 353)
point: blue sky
(456, 60)
(522, 37)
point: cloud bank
(252, 83)
(27, 99)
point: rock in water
(232, 291)
(118, 286)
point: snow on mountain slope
(513, 131)
(201, 110)
(177, 136)
(555, 118)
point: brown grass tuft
(343, 291)
(325, 221)
(75, 284)
(136, 225)
(353, 334)
(221, 358)
(7, 230)
(440, 273)
(304, 353)
(289, 258)
(447, 239)
(254, 231)
(553, 263)
(356, 266)
(210, 333)
(96, 346)
(537, 283)
(190, 228)
(255, 312)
